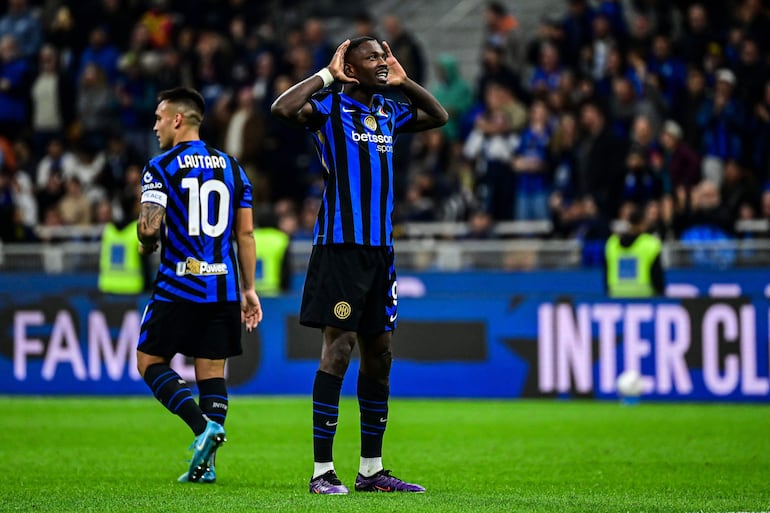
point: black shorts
(352, 288)
(199, 330)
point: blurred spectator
(625, 108)
(641, 184)
(363, 25)
(136, 99)
(530, 164)
(74, 207)
(118, 158)
(242, 49)
(750, 73)
(22, 23)
(57, 163)
(493, 69)
(480, 225)
(578, 30)
(660, 17)
(307, 218)
(600, 164)
(751, 17)
(670, 70)
(101, 53)
(705, 209)
(502, 31)
(97, 108)
(721, 118)
(119, 18)
(62, 36)
(490, 146)
(244, 138)
(210, 70)
(686, 114)
(15, 76)
(642, 29)
(548, 33)
(288, 154)
(88, 166)
(697, 36)
(738, 190)
(603, 40)
(547, 74)
(642, 137)
(52, 93)
(614, 13)
(405, 47)
(453, 92)
(321, 50)
(262, 89)
(680, 163)
(420, 201)
(563, 159)
(705, 224)
(24, 190)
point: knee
(377, 365)
(336, 355)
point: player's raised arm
(293, 104)
(430, 113)
(148, 227)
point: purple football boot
(384, 481)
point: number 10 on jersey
(198, 207)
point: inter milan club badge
(370, 122)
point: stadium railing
(427, 246)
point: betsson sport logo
(384, 142)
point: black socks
(326, 401)
(173, 393)
(373, 402)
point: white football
(630, 384)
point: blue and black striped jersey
(201, 189)
(355, 145)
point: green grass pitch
(124, 454)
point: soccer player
(350, 288)
(196, 200)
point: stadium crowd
(607, 105)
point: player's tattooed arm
(148, 227)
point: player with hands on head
(350, 291)
(196, 206)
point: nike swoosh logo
(383, 488)
(331, 424)
(383, 420)
(344, 109)
(393, 317)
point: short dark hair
(185, 95)
(356, 42)
(497, 8)
(636, 216)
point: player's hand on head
(396, 73)
(251, 309)
(337, 65)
